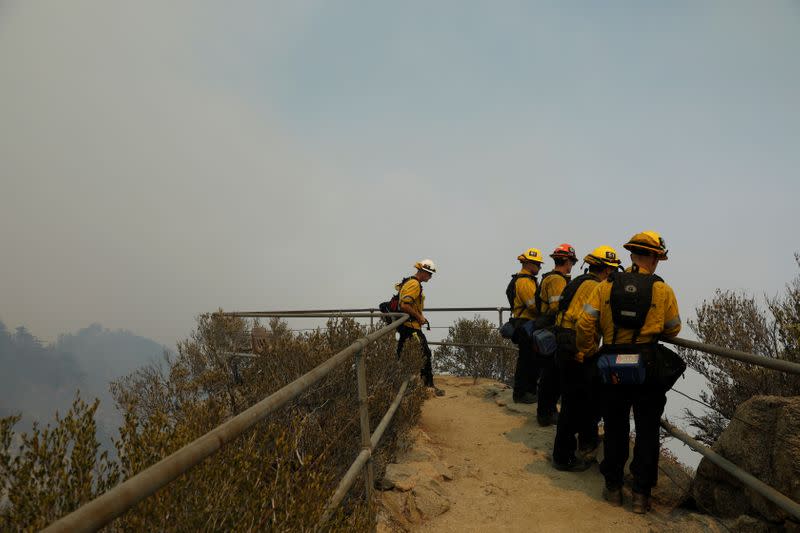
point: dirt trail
(497, 460)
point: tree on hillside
(737, 321)
(36, 379)
(494, 363)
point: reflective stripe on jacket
(550, 289)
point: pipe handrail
(336, 312)
(472, 345)
(755, 359)
(310, 314)
(370, 312)
(113, 503)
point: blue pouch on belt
(544, 340)
(621, 368)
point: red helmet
(564, 251)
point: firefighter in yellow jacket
(630, 312)
(521, 293)
(412, 301)
(554, 282)
(550, 289)
(578, 411)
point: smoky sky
(163, 160)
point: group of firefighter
(604, 326)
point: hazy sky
(162, 159)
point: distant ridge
(37, 379)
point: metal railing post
(363, 411)
(371, 318)
(500, 317)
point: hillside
(40, 379)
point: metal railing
(750, 481)
(116, 501)
(472, 345)
(760, 360)
(373, 312)
(770, 493)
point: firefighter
(629, 312)
(578, 413)
(412, 301)
(553, 282)
(550, 289)
(521, 293)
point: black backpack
(511, 289)
(571, 289)
(631, 298)
(393, 305)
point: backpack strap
(571, 289)
(539, 300)
(403, 282)
(511, 290)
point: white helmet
(427, 265)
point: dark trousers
(648, 405)
(526, 373)
(578, 410)
(427, 368)
(549, 386)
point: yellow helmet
(531, 254)
(647, 242)
(427, 265)
(603, 256)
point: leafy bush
(494, 363)
(277, 476)
(56, 470)
(737, 321)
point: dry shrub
(737, 321)
(494, 363)
(277, 476)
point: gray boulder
(764, 440)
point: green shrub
(494, 363)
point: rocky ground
(479, 462)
